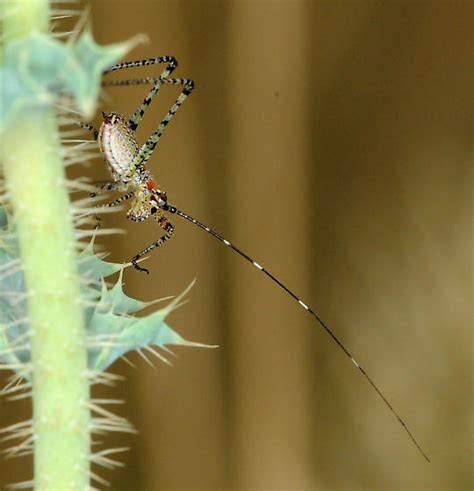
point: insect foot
(138, 268)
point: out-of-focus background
(332, 141)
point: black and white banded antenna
(172, 209)
(126, 160)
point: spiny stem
(34, 174)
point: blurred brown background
(331, 140)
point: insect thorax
(140, 208)
(118, 145)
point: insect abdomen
(118, 144)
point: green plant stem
(23, 16)
(34, 175)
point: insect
(127, 160)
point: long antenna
(172, 209)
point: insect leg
(105, 188)
(156, 82)
(171, 60)
(166, 225)
(137, 116)
(147, 149)
(88, 127)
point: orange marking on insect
(151, 184)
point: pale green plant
(61, 325)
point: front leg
(106, 188)
(88, 127)
(166, 225)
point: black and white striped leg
(156, 82)
(107, 187)
(119, 200)
(88, 127)
(104, 188)
(137, 116)
(171, 61)
(132, 81)
(166, 225)
(147, 149)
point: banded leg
(131, 81)
(138, 115)
(172, 63)
(88, 127)
(105, 188)
(147, 149)
(171, 60)
(166, 225)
